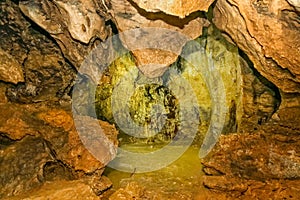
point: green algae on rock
(223, 83)
(225, 58)
(155, 93)
(123, 73)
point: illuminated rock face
(75, 25)
(42, 48)
(153, 62)
(30, 60)
(139, 94)
(47, 141)
(10, 69)
(180, 8)
(204, 64)
(268, 32)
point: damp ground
(182, 179)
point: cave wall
(38, 140)
(43, 44)
(267, 32)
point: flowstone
(151, 104)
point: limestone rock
(64, 190)
(295, 3)
(100, 185)
(180, 8)
(289, 100)
(15, 123)
(248, 103)
(75, 25)
(15, 32)
(21, 165)
(213, 70)
(82, 20)
(264, 164)
(10, 69)
(122, 76)
(35, 59)
(16, 129)
(3, 98)
(222, 183)
(57, 118)
(270, 153)
(57, 153)
(269, 33)
(259, 99)
(155, 48)
(228, 188)
(74, 152)
(132, 191)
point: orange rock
(57, 118)
(64, 190)
(15, 128)
(154, 49)
(79, 149)
(10, 69)
(180, 8)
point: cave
(139, 99)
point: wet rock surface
(235, 188)
(43, 43)
(38, 140)
(10, 69)
(263, 163)
(207, 63)
(260, 99)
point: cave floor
(259, 165)
(178, 180)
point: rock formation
(154, 49)
(264, 163)
(268, 32)
(74, 25)
(43, 45)
(180, 8)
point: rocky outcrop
(73, 150)
(15, 178)
(222, 188)
(154, 49)
(38, 139)
(268, 32)
(248, 101)
(180, 8)
(46, 140)
(34, 60)
(295, 3)
(131, 191)
(259, 99)
(43, 43)
(67, 190)
(10, 70)
(245, 165)
(75, 25)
